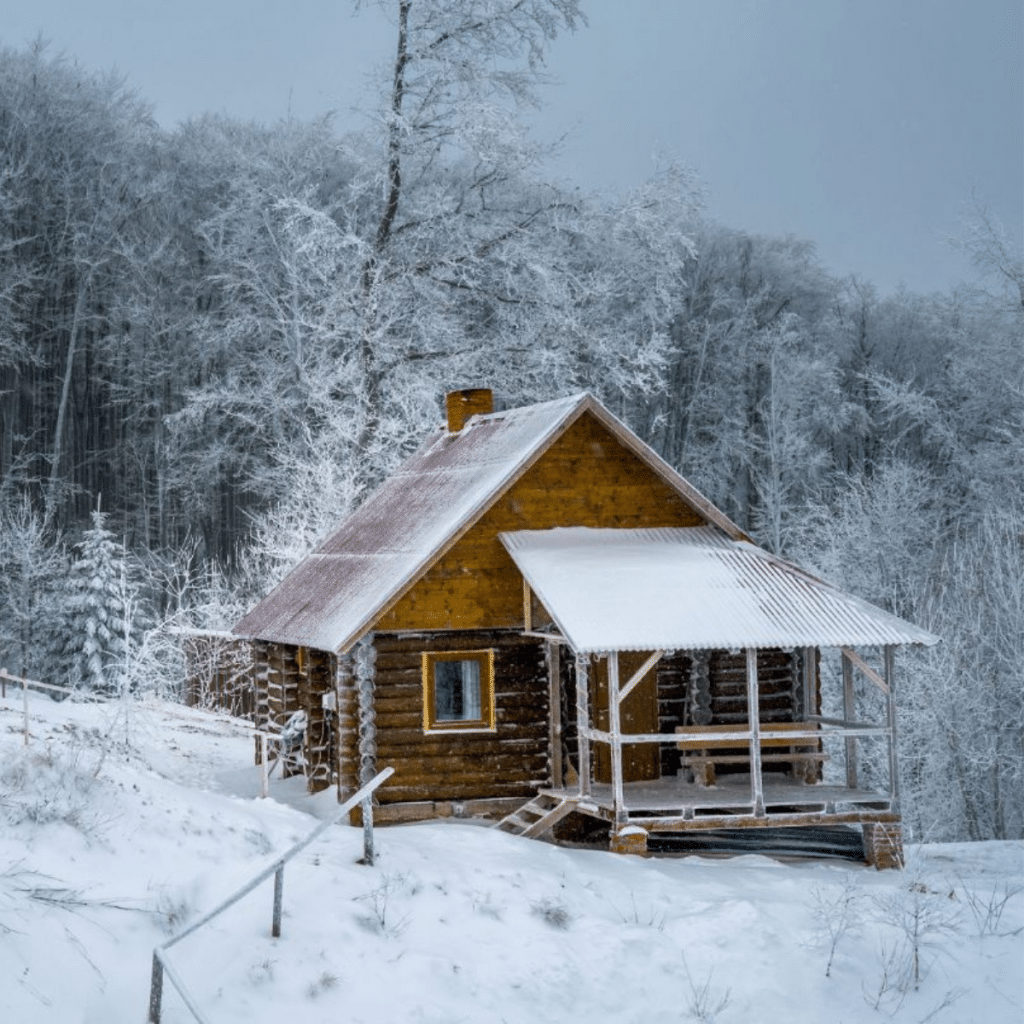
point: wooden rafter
(855, 659)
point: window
(458, 691)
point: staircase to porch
(539, 815)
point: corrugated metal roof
(339, 591)
(690, 589)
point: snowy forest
(215, 340)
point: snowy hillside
(118, 826)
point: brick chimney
(463, 404)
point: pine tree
(97, 629)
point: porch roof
(690, 589)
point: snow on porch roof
(690, 589)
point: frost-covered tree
(441, 219)
(99, 612)
(33, 571)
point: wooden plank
(852, 656)
(456, 785)
(765, 758)
(453, 782)
(705, 822)
(848, 713)
(462, 794)
(808, 666)
(583, 722)
(561, 810)
(616, 733)
(555, 712)
(638, 676)
(753, 715)
(423, 810)
(889, 657)
(777, 734)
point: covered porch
(619, 605)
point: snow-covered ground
(119, 826)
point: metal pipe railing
(161, 965)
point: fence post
(365, 662)
(156, 989)
(368, 852)
(24, 697)
(3, 682)
(264, 772)
(275, 928)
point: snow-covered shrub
(57, 782)
(552, 911)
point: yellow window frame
(486, 721)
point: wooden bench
(704, 751)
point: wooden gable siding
(513, 761)
(585, 478)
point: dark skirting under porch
(842, 842)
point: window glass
(457, 691)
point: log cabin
(536, 618)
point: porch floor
(670, 803)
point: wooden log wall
(290, 679)
(316, 679)
(261, 685)
(674, 673)
(513, 761)
(282, 688)
(570, 738)
(346, 745)
(778, 687)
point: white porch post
(810, 704)
(555, 713)
(889, 658)
(583, 721)
(614, 727)
(754, 722)
(848, 717)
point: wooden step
(547, 810)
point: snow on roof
(690, 589)
(331, 598)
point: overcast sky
(862, 125)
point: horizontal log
(520, 793)
(414, 744)
(390, 645)
(424, 810)
(458, 781)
